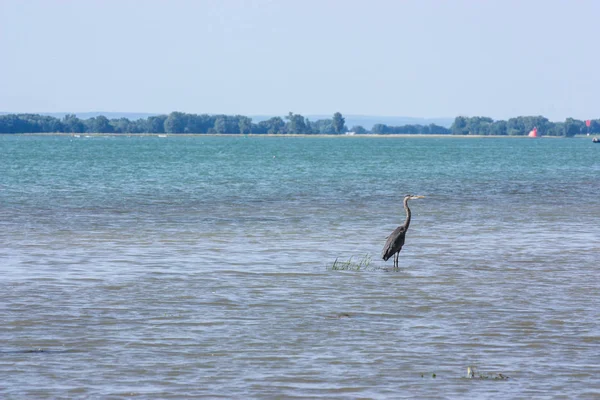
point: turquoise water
(198, 266)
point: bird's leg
(396, 260)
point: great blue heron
(395, 241)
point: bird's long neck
(407, 222)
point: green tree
(122, 125)
(175, 122)
(225, 124)
(72, 124)
(204, 122)
(339, 123)
(359, 130)
(99, 124)
(438, 130)
(156, 124)
(594, 126)
(245, 124)
(498, 128)
(380, 129)
(478, 125)
(572, 127)
(555, 129)
(460, 126)
(220, 125)
(323, 127)
(272, 126)
(524, 124)
(515, 127)
(295, 123)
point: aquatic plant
(363, 263)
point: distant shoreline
(182, 123)
(283, 135)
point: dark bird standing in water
(395, 241)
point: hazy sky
(420, 58)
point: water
(198, 267)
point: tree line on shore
(178, 122)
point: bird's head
(413, 197)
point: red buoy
(533, 133)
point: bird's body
(395, 241)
